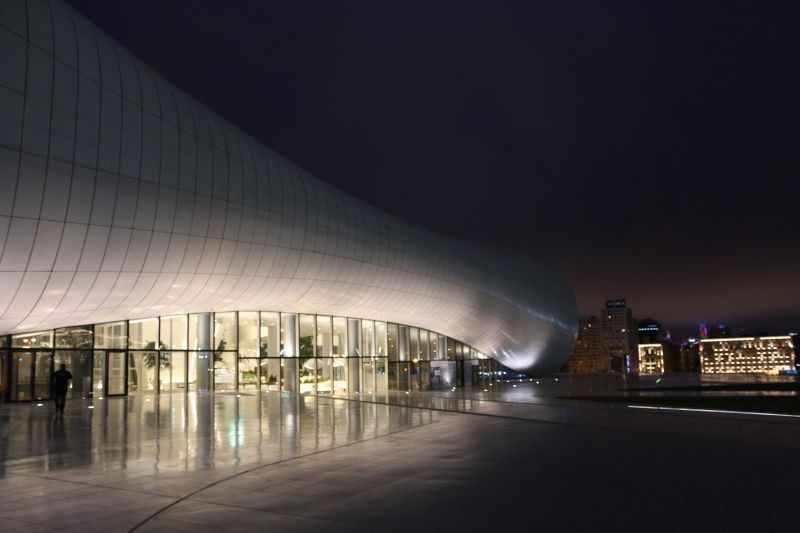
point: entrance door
(31, 375)
(22, 376)
(110, 372)
(116, 373)
(42, 375)
(79, 364)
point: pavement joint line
(714, 411)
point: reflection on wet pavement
(514, 456)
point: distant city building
(649, 331)
(763, 355)
(658, 357)
(589, 356)
(619, 335)
(651, 358)
(690, 355)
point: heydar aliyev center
(150, 245)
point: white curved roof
(122, 197)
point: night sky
(646, 151)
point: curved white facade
(121, 197)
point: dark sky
(649, 150)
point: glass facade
(258, 350)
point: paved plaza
(514, 456)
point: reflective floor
(511, 456)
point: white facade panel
(131, 199)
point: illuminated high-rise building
(619, 335)
(588, 356)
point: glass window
(288, 335)
(441, 350)
(224, 371)
(451, 349)
(191, 370)
(402, 344)
(116, 384)
(368, 375)
(248, 335)
(270, 374)
(403, 376)
(174, 332)
(43, 370)
(225, 331)
(142, 371)
(324, 336)
(173, 376)
(195, 328)
(76, 337)
(380, 339)
(308, 375)
(307, 364)
(307, 334)
(391, 341)
(325, 375)
(367, 338)
(289, 377)
(353, 338)
(143, 334)
(339, 375)
(413, 338)
(99, 373)
(381, 378)
(248, 371)
(42, 339)
(111, 335)
(270, 337)
(424, 345)
(339, 336)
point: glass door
(116, 370)
(79, 364)
(43, 375)
(99, 373)
(110, 373)
(31, 375)
(3, 376)
(21, 376)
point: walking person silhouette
(61, 379)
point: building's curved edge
(270, 234)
